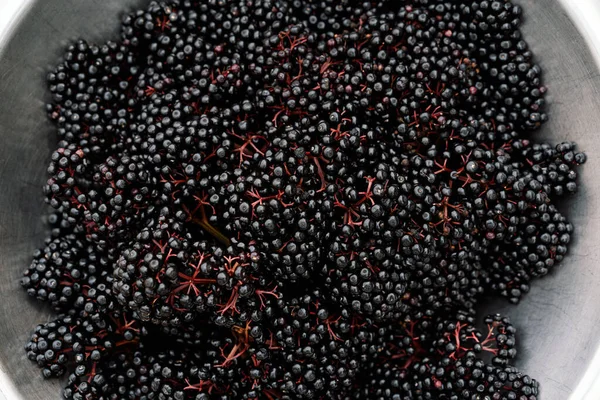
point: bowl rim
(13, 12)
(585, 15)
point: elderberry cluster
(286, 199)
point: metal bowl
(558, 321)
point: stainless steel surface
(558, 321)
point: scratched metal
(558, 321)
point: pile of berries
(297, 199)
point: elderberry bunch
(283, 199)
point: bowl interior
(557, 321)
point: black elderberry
(297, 200)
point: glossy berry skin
(281, 199)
